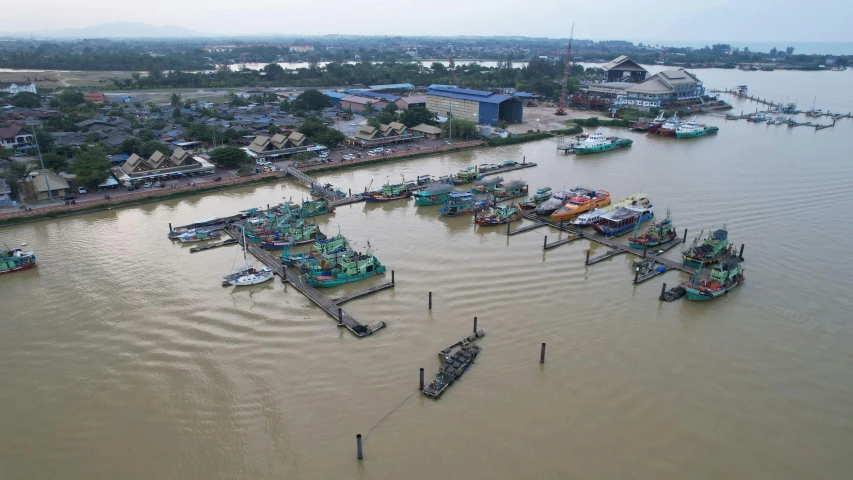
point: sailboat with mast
(248, 275)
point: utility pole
(43, 171)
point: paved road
(350, 130)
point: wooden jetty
(525, 228)
(330, 307)
(571, 238)
(353, 296)
(517, 166)
(230, 241)
(605, 256)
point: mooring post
(350, 192)
(507, 229)
(340, 316)
(662, 291)
(475, 324)
(422, 379)
(268, 207)
(170, 227)
(392, 277)
(430, 300)
(545, 244)
(587, 258)
(740, 257)
(358, 446)
(524, 159)
(542, 354)
(644, 252)
(636, 274)
(561, 224)
(684, 240)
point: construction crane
(453, 69)
(561, 106)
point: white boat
(593, 216)
(259, 276)
(250, 276)
(689, 128)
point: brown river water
(121, 356)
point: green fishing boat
(693, 129)
(467, 175)
(433, 195)
(15, 260)
(313, 208)
(352, 269)
(514, 188)
(597, 143)
(338, 243)
(487, 185)
(542, 195)
(714, 248)
(503, 214)
(724, 277)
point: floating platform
(571, 238)
(230, 241)
(525, 228)
(353, 296)
(510, 168)
(454, 365)
(673, 294)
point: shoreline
(138, 198)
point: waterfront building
(473, 105)
(159, 166)
(664, 88)
(357, 103)
(58, 186)
(623, 69)
(428, 131)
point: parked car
(262, 162)
(387, 150)
(323, 155)
(148, 184)
(353, 124)
(371, 153)
(157, 184)
(70, 196)
(81, 190)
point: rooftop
(393, 86)
(449, 91)
(623, 62)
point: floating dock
(230, 241)
(330, 307)
(453, 366)
(353, 296)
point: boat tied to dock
(590, 217)
(597, 143)
(503, 214)
(435, 194)
(453, 365)
(657, 234)
(623, 219)
(582, 201)
(714, 248)
(463, 203)
(692, 129)
(724, 277)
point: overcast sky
(634, 20)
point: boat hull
(668, 238)
(380, 199)
(24, 266)
(666, 131)
(281, 245)
(604, 230)
(694, 262)
(424, 201)
(328, 281)
(705, 295)
(621, 143)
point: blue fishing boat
(622, 219)
(463, 203)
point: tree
(273, 129)
(176, 113)
(6, 152)
(374, 122)
(146, 134)
(70, 98)
(369, 108)
(130, 145)
(303, 156)
(175, 100)
(330, 137)
(417, 115)
(385, 118)
(773, 51)
(54, 161)
(391, 108)
(274, 72)
(311, 100)
(461, 128)
(26, 100)
(152, 146)
(91, 167)
(789, 50)
(229, 157)
(45, 141)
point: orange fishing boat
(583, 202)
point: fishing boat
(336, 244)
(723, 278)
(463, 203)
(435, 194)
(349, 269)
(388, 193)
(15, 260)
(654, 125)
(487, 185)
(199, 235)
(597, 143)
(511, 189)
(541, 196)
(715, 247)
(556, 201)
(313, 208)
(669, 127)
(692, 129)
(299, 234)
(503, 214)
(583, 201)
(466, 175)
(622, 219)
(590, 217)
(248, 275)
(657, 234)
(453, 366)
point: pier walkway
(330, 307)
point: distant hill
(114, 30)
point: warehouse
(474, 105)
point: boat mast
(245, 257)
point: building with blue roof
(474, 105)
(335, 96)
(392, 86)
(380, 96)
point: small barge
(453, 365)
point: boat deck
(329, 306)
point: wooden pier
(571, 238)
(525, 228)
(353, 296)
(329, 306)
(230, 241)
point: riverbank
(147, 196)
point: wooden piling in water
(662, 291)
(422, 379)
(684, 240)
(340, 316)
(636, 275)
(392, 277)
(430, 301)
(587, 258)
(475, 324)
(170, 227)
(545, 243)
(358, 446)
(507, 229)
(542, 354)
(740, 256)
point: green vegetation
(26, 100)
(417, 115)
(597, 122)
(572, 130)
(229, 157)
(318, 132)
(304, 157)
(55, 161)
(524, 137)
(461, 128)
(245, 171)
(91, 167)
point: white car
(353, 124)
(81, 190)
(323, 155)
(349, 156)
(263, 162)
(387, 150)
(148, 184)
(371, 153)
